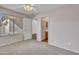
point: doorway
(40, 29)
(45, 28)
(34, 29)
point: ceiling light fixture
(28, 7)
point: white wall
(39, 30)
(63, 27)
(27, 28)
(34, 26)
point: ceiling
(38, 8)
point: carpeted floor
(33, 47)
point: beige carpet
(33, 47)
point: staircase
(17, 24)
